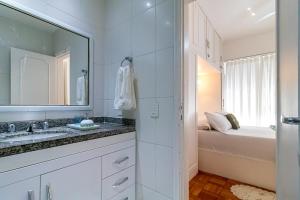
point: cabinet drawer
(128, 194)
(118, 183)
(115, 162)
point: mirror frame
(31, 12)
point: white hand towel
(124, 91)
(80, 91)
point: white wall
(250, 45)
(87, 16)
(145, 30)
(209, 93)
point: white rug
(245, 192)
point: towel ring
(128, 59)
(84, 71)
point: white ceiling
(232, 20)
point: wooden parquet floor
(211, 187)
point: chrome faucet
(31, 127)
(11, 128)
(45, 125)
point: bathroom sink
(38, 135)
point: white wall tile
(112, 76)
(107, 46)
(99, 49)
(121, 42)
(106, 81)
(144, 32)
(98, 108)
(87, 11)
(140, 6)
(146, 164)
(67, 114)
(117, 11)
(160, 1)
(98, 81)
(145, 125)
(110, 73)
(165, 25)
(165, 72)
(164, 170)
(144, 69)
(165, 132)
(109, 110)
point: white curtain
(249, 89)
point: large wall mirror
(41, 63)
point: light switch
(155, 111)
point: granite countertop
(70, 136)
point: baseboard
(193, 171)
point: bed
(246, 154)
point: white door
(78, 182)
(24, 190)
(32, 78)
(288, 102)
(63, 79)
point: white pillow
(203, 125)
(218, 122)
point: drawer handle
(30, 195)
(49, 192)
(120, 182)
(126, 198)
(120, 161)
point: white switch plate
(155, 111)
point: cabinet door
(77, 182)
(195, 25)
(202, 33)
(24, 190)
(210, 41)
(217, 51)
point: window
(249, 89)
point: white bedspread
(253, 142)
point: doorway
(230, 72)
(63, 79)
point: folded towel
(124, 91)
(80, 93)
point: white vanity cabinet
(23, 190)
(100, 169)
(77, 182)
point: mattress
(252, 142)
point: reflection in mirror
(41, 63)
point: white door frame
(183, 175)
